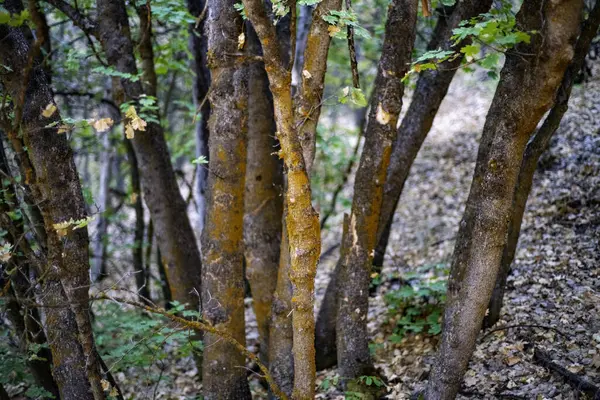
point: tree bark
(431, 89)
(301, 219)
(137, 251)
(310, 94)
(175, 236)
(224, 376)
(199, 47)
(23, 318)
(361, 234)
(535, 148)
(50, 172)
(101, 224)
(529, 80)
(263, 200)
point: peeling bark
(224, 376)
(431, 89)
(361, 233)
(528, 84)
(535, 148)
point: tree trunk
(535, 148)
(167, 208)
(301, 219)
(529, 80)
(101, 225)
(50, 172)
(263, 199)
(198, 47)
(431, 89)
(361, 235)
(224, 375)
(24, 319)
(310, 94)
(137, 251)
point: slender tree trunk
(137, 251)
(164, 283)
(361, 234)
(535, 148)
(302, 28)
(263, 200)
(198, 47)
(431, 89)
(309, 98)
(301, 220)
(149, 79)
(224, 376)
(50, 171)
(167, 208)
(101, 225)
(313, 45)
(528, 84)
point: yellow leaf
(62, 227)
(105, 384)
(306, 74)
(49, 110)
(138, 124)
(333, 29)
(4, 257)
(103, 124)
(129, 132)
(241, 41)
(131, 113)
(133, 197)
(63, 129)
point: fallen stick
(577, 382)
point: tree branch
(203, 326)
(83, 22)
(257, 14)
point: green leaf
(358, 97)
(471, 51)
(490, 61)
(200, 160)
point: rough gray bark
(263, 198)
(431, 89)
(50, 172)
(224, 375)
(535, 148)
(199, 47)
(175, 236)
(528, 83)
(359, 242)
(23, 318)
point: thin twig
(501, 328)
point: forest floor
(555, 281)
